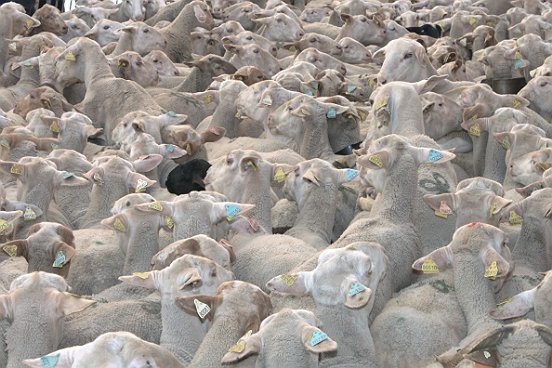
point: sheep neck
(95, 67)
(143, 243)
(317, 214)
(30, 77)
(39, 194)
(124, 44)
(399, 191)
(102, 198)
(257, 191)
(225, 331)
(174, 322)
(530, 248)
(349, 328)
(474, 292)
(407, 118)
(315, 142)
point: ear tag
(473, 21)
(515, 219)
(502, 302)
(172, 114)
(506, 143)
(486, 354)
(309, 92)
(517, 55)
(29, 24)
(351, 88)
(10, 250)
(280, 176)
(69, 56)
(202, 309)
(16, 169)
(546, 25)
(141, 275)
(141, 186)
(376, 160)
(12, 47)
(59, 262)
(238, 114)
(331, 114)
(491, 271)
(29, 214)
(429, 266)
(169, 148)
(267, 101)
(232, 211)
(156, 206)
(252, 165)
(4, 143)
(208, 99)
(380, 103)
(67, 175)
(54, 127)
(519, 64)
(351, 174)
(516, 104)
(372, 84)
(289, 279)
(54, 146)
(292, 48)
(481, 57)
(49, 361)
(492, 209)
(240, 345)
(355, 289)
(169, 222)
(475, 130)
(28, 64)
(544, 165)
(435, 156)
(440, 214)
(314, 84)
(317, 337)
(118, 225)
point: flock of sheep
(347, 183)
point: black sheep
(427, 29)
(187, 177)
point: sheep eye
(146, 30)
(105, 27)
(249, 38)
(408, 56)
(543, 84)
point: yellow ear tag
(544, 165)
(475, 130)
(238, 114)
(441, 214)
(280, 176)
(473, 21)
(240, 345)
(12, 47)
(69, 56)
(491, 271)
(376, 160)
(29, 214)
(380, 103)
(202, 309)
(142, 275)
(517, 55)
(54, 127)
(292, 48)
(10, 250)
(516, 104)
(515, 219)
(289, 279)
(208, 99)
(169, 222)
(3, 226)
(118, 225)
(429, 266)
(492, 209)
(502, 302)
(16, 169)
(29, 24)
(506, 143)
(156, 206)
(252, 165)
(141, 186)
(372, 83)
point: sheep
(28, 294)
(236, 308)
(50, 21)
(301, 346)
(139, 37)
(181, 279)
(118, 348)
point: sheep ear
(249, 164)
(516, 306)
(316, 341)
(484, 358)
(143, 279)
(374, 161)
(171, 151)
(347, 175)
(198, 305)
(475, 126)
(498, 204)
(229, 210)
(356, 294)
(504, 138)
(200, 14)
(6, 307)
(139, 182)
(444, 203)
(438, 260)
(96, 175)
(280, 172)
(16, 248)
(63, 358)
(527, 190)
(291, 283)
(243, 348)
(63, 253)
(15, 169)
(433, 156)
(67, 179)
(118, 222)
(70, 303)
(495, 265)
(147, 163)
(312, 176)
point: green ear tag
(49, 361)
(59, 262)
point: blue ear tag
(232, 211)
(49, 361)
(518, 64)
(172, 114)
(355, 289)
(435, 155)
(314, 84)
(59, 262)
(169, 148)
(309, 92)
(331, 114)
(351, 174)
(351, 88)
(67, 175)
(318, 337)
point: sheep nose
(382, 80)
(300, 34)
